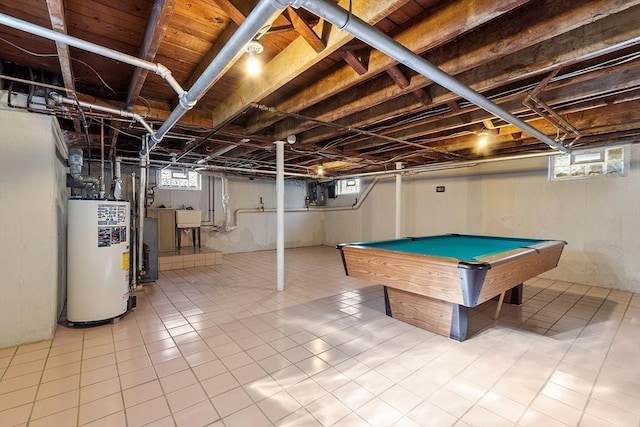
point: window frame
(162, 184)
(589, 163)
(343, 184)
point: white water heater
(98, 242)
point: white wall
(599, 218)
(32, 209)
(255, 230)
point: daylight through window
(179, 179)
(348, 186)
(604, 161)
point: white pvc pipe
(398, 201)
(280, 215)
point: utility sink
(187, 218)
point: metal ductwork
(59, 99)
(75, 171)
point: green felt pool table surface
(457, 246)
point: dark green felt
(462, 247)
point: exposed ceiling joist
(295, 59)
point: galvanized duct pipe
(75, 161)
(385, 44)
(28, 27)
(59, 99)
(117, 179)
(264, 12)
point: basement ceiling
(570, 69)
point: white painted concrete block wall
(599, 218)
(29, 228)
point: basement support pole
(398, 201)
(279, 215)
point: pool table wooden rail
(519, 266)
(419, 274)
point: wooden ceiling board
(501, 48)
(451, 66)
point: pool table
(431, 282)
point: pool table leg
(459, 318)
(387, 305)
(441, 317)
(516, 294)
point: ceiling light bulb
(253, 49)
(253, 65)
(320, 170)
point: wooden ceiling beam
(479, 49)
(356, 63)
(570, 95)
(157, 24)
(399, 77)
(451, 21)
(59, 24)
(296, 59)
(423, 97)
(232, 11)
(402, 81)
(305, 31)
(596, 39)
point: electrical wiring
(147, 104)
(55, 55)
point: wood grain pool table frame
(434, 292)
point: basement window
(179, 179)
(590, 163)
(348, 186)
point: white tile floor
(218, 346)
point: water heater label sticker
(122, 215)
(112, 214)
(125, 260)
(104, 237)
(112, 225)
